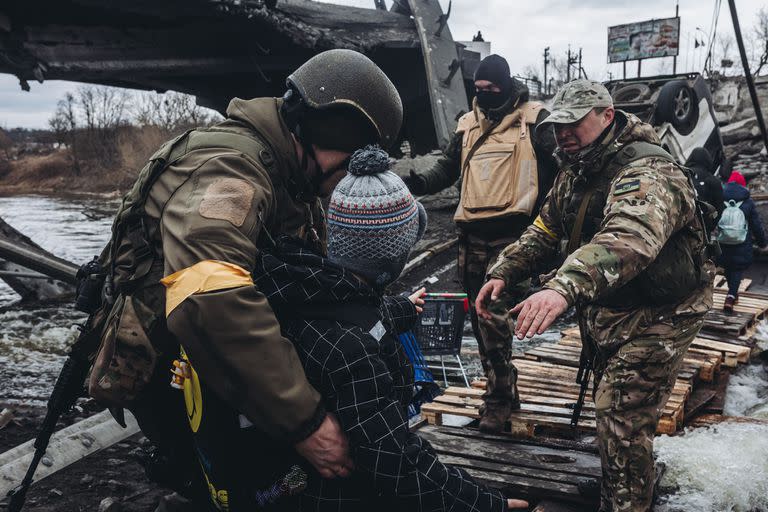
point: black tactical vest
(678, 269)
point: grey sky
(518, 30)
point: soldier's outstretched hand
(487, 294)
(537, 312)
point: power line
(712, 35)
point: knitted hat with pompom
(373, 220)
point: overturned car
(680, 108)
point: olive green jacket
(216, 204)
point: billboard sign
(644, 40)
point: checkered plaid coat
(344, 333)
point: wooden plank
(742, 353)
(708, 420)
(698, 401)
(521, 469)
(67, 446)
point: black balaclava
(495, 69)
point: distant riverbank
(53, 174)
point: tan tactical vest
(499, 176)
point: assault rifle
(69, 384)
(586, 360)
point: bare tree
(103, 111)
(171, 112)
(724, 45)
(64, 124)
(760, 40)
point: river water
(724, 468)
(34, 341)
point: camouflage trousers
(628, 402)
(494, 338)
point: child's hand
(417, 300)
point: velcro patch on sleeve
(625, 187)
(228, 199)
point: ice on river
(748, 393)
(713, 469)
(724, 467)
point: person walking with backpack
(738, 229)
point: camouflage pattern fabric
(494, 338)
(635, 211)
(631, 216)
(575, 100)
(628, 402)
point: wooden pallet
(755, 303)
(532, 469)
(738, 323)
(547, 394)
(702, 365)
(732, 354)
(721, 284)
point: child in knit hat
(345, 330)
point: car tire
(631, 93)
(678, 105)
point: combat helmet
(343, 98)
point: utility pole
(748, 72)
(677, 15)
(571, 61)
(546, 63)
(580, 68)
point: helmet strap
(292, 111)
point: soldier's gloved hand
(487, 294)
(327, 449)
(415, 183)
(537, 312)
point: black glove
(415, 183)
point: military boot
(494, 416)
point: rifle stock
(68, 388)
(586, 360)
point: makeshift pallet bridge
(547, 376)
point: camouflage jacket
(636, 214)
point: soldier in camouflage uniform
(636, 271)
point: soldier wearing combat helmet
(198, 215)
(624, 213)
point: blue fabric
(739, 257)
(425, 387)
(734, 280)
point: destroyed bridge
(220, 49)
